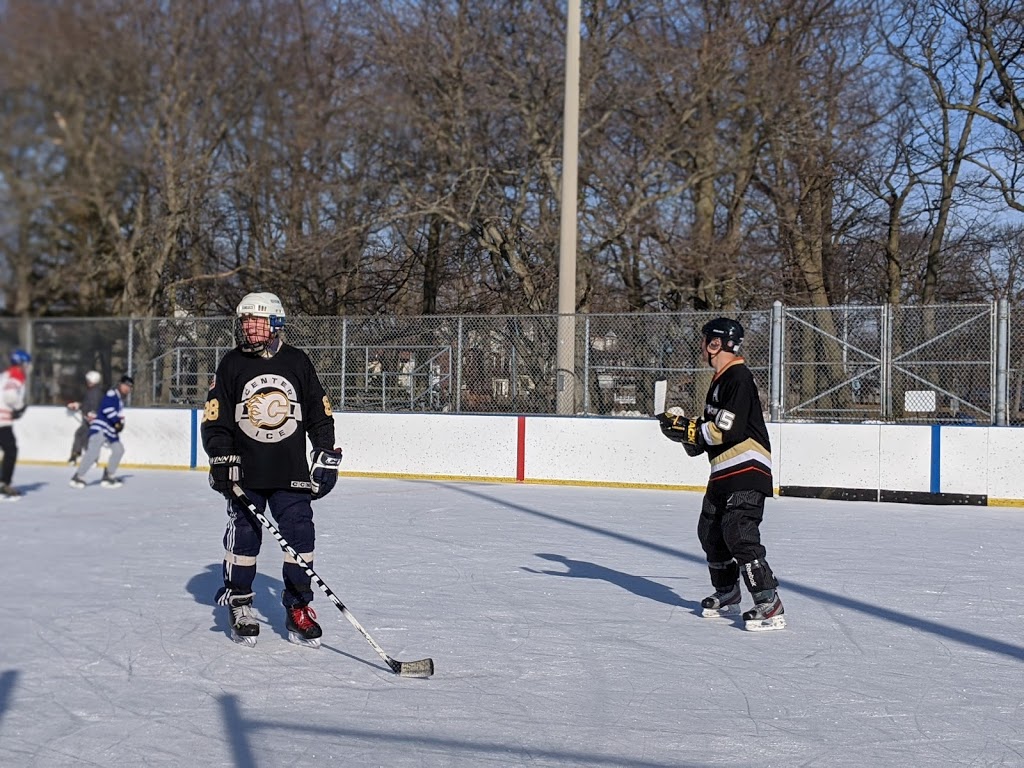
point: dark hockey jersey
(735, 434)
(262, 409)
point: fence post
(131, 352)
(26, 335)
(885, 365)
(1002, 360)
(344, 357)
(586, 366)
(458, 368)
(775, 396)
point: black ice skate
(722, 604)
(76, 482)
(9, 492)
(302, 626)
(244, 627)
(109, 481)
(765, 615)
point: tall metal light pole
(566, 362)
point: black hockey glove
(680, 429)
(324, 473)
(225, 471)
(17, 413)
(118, 426)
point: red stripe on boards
(521, 451)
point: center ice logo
(268, 411)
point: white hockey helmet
(92, 378)
(262, 305)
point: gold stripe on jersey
(749, 451)
(712, 434)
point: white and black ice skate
(302, 626)
(9, 492)
(765, 615)
(109, 481)
(244, 627)
(723, 604)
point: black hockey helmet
(126, 379)
(728, 330)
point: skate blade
(295, 637)
(765, 625)
(725, 612)
(249, 641)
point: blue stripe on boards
(936, 457)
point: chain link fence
(937, 364)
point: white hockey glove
(324, 473)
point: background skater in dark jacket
(86, 410)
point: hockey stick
(421, 668)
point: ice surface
(563, 621)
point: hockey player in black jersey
(733, 434)
(265, 400)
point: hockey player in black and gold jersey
(266, 398)
(733, 434)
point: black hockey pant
(729, 532)
(10, 448)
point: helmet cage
(265, 308)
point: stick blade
(660, 395)
(421, 668)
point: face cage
(265, 330)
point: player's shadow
(638, 585)
(267, 601)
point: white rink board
(158, 437)
(1005, 463)
(605, 450)
(964, 459)
(971, 460)
(835, 456)
(428, 444)
(905, 457)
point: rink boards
(865, 462)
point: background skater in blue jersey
(733, 434)
(106, 429)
